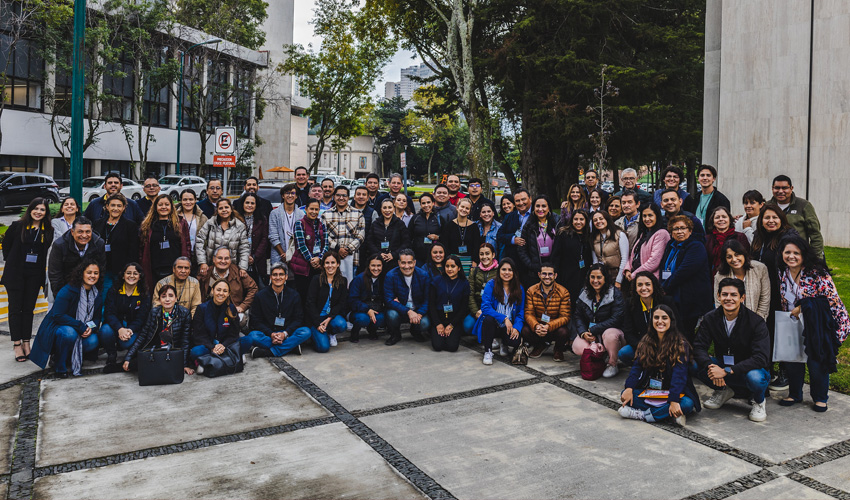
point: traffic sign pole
(404, 169)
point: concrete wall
(757, 116)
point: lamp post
(77, 99)
(180, 94)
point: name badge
(409, 305)
(544, 318)
(518, 233)
(385, 245)
(544, 251)
(164, 245)
(32, 258)
(91, 324)
(655, 384)
(447, 308)
(729, 360)
(793, 211)
(279, 321)
(665, 275)
(317, 248)
(427, 240)
(581, 264)
(107, 248)
(250, 241)
(591, 325)
(462, 249)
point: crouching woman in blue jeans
(215, 325)
(70, 328)
(168, 325)
(661, 363)
(327, 301)
(366, 300)
(126, 310)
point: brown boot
(558, 356)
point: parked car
(410, 183)
(18, 189)
(608, 186)
(93, 189)
(173, 185)
(270, 190)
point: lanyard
(542, 231)
(546, 298)
(290, 220)
(462, 231)
(457, 280)
(108, 232)
(180, 297)
(670, 263)
(279, 298)
(164, 229)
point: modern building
(357, 159)
(408, 85)
(777, 74)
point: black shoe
(260, 352)
(780, 383)
(373, 333)
(90, 356)
(112, 368)
(393, 340)
(61, 374)
(297, 350)
(418, 336)
(354, 337)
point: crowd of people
(669, 285)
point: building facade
(407, 86)
(777, 81)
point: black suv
(19, 189)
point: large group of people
(669, 285)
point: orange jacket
(557, 307)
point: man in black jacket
(742, 349)
(708, 198)
(76, 245)
(302, 186)
(508, 236)
(113, 185)
(252, 185)
(672, 206)
(276, 318)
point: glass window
(218, 92)
(242, 104)
(155, 100)
(119, 81)
(24, 73)
(191, 79)
(15, 163)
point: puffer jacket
(557, 307)
(477, 280)
(211, 236)
(610, 313)
(181, 329)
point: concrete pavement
(370, 421)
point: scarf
(85, 313)
(492, 266)
(720, 238)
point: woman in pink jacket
(649, 248)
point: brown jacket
(242, 290)
(557, 308)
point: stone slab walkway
(370, 421)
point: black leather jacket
(181, 329)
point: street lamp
(180, 94)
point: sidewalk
(370, 421)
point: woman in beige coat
(735, 262)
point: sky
(303, 34)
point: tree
(339, 77)
(237, 21)
(385, 124)
(430, 123)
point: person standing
(444, 207)
(799, 212)
(672, 206)
(672, 177)
(476, 188)
(610, 247)
(630, 220)
(215, 192)
(403, 208)
(387, 237)
(327, 198)
(311, 243)
(753, 203)
(425, 227)
(189, 211)
(374, 196)
(547, 312)
(120, 238)
(488, 226)
(151, 188)
(629, 179)
(76, 245)
(648, 250)
(370, 215)
(64, 219)
(346, 232)
(282, 224)
(736, 263)
(709, 198)
(576, 200)
(257, 229)
(591, 183)
(539, 236)
(719, 229)
(396, 185)
(462, 237)
(264, 206)
(509, 236)
(25, 246)
(113, 184)
(226, 228)
(453, 185)
(572, 255)
(302, 186)
(163, 237)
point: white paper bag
(788, 339)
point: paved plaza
(370, 421)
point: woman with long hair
(753, 202)
(719, 228)
(506, 206)
(163, 237)
(436, 260)
(366, 300)
(74, 319)
(736, 263)
(68, 212)
(610, 246)
(661, 364)
(125, 312)
(311, 243)
(225, 228)
(168, 325)
(462, 236)
(448, 302)
(539, 235)
(572, 254)
(425, 227)
(25, 247)
(327, 303)
(598, 317)
(488, 226)
(387, 236)
(648, 250)
(576, 200)
(257, 228)
(645, 293)
(215, 326)
(502, 305)
(807, 291)
(488, 268)
(402, 209)
(191, 213)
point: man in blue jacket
(113, 184)
(276, 318)
(508, 237)
(406, 295)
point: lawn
(839, 261)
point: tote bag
(788, 339)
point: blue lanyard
(670, 263)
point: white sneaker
(488, 358)
(680, 421)
(759, 412)
(631, 413)
(719, 398)
(496, 344)
(199, 369)
(610, 371)
(245, 358)
(333, 341)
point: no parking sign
(225, 140)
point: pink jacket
(651, 253)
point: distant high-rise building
(408, 85)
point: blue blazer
(395, 286)
(690, 284)
(63, 313)
(489, 307)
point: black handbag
(160, 366)
(228, 363)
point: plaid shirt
(301, 242)
(346, 229)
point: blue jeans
(753, 382)
(108, 339)
(659, 413)
(296, 338)
(395, 320)
(362, 320)
(818, 380)
(626, 354)
(200, 350)
(468, 324)
(64, 346)
(322, 341)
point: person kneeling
(547, 312)
(449, 302)
(215, 326)
(660, 374)
(277, 318)
(167, 326)
(742, 346)
(327, 300)
(406, 295)
(126, 310)
(366, 300)
(501, 312)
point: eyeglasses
(475, 185)
(679, 229)
(151, 185)
(214, 188)
(291, 193)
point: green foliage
(838, 260)
(237, 21)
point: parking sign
(225, 140)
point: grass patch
(839, 261)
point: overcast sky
(303, 34)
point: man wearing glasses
(591, 182)
(282, 223)
(151, 187)
(629, 180)
(476, 187)
(214, 193)
(547, 312)
(346, 231)
(801, 213)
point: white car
(93, 189)
(173, 185)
